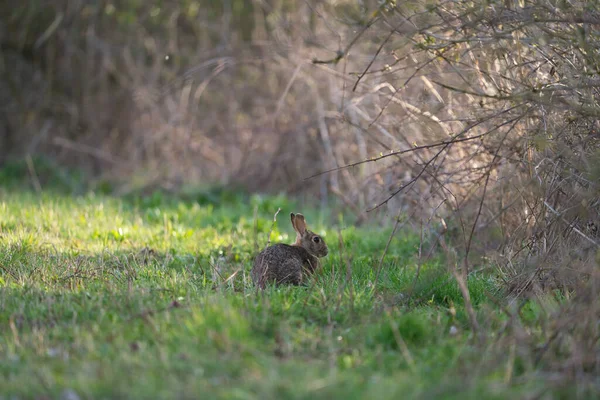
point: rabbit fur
(290, 264)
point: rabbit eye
(316, 239)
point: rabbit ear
(299, 223)
(293, 217)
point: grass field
(150, 297)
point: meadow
(124, 277)
(150, 297)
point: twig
(272, 227)
(461, 279)
(386, 249)
(464, 289)
(9, 272)
(586, 237)
(392, 154)
(392, 97)
(400, 342)
(455, 139)
(256, 228)
(419, 264)
(286, 91)
(360, 216)
(85, 149)
(261, 281)
(485, 188)
(348, 281)
(434, 158)
(34, 175)
(372, 60)
(342, 53)
(233, 275)
(49, 31)
(413, 180)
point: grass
(150, 297)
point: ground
(150, 297)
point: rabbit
(290, 264)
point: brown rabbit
(290, 264)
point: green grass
(150, 297)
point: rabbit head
(309, 240)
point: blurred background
(475, 120)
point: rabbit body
(290, 264)
(283, 264)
